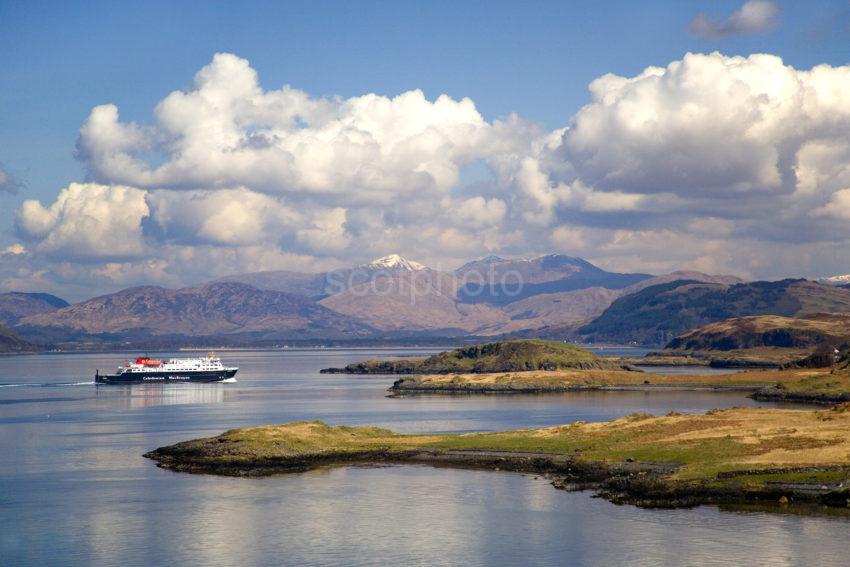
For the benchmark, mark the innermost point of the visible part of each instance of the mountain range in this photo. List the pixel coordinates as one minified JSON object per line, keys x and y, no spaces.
{"x":225,"y":310}
{"x":11,"y":342}
{"x":553,"y":296}
{"x":773,"y":331}
{"x":657,"y":314}
{"x":14,"y":306}
{"x":487,"y":297}
{"x":497,"y":281}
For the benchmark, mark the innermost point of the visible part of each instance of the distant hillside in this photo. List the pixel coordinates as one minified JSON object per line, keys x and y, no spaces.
{"x":222,"y":309}
{"x":10,"y":342}
{"x":324,"y":284}
{"x":558,"y":316}
{"x":390,"y":297}
{"x":311,"y":286}
{"x":427,"y":301}
{"x":421,"y":301}
{"x":659,"y":313}
{"x":808,"y":331}
{"x":498,"y":281}
{"x":15,"y":305}
{"x":685,"y":275}
{"x":499,"y":356}
{"x":394,"y":294}
{"x":558,"y":308}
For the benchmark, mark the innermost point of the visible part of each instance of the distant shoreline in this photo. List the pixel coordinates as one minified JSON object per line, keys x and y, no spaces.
{"x":221,"y":349}
{"x":568,"y":388}
{"x":808,"y":386}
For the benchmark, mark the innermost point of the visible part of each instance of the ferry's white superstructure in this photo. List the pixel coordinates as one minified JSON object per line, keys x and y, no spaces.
{"x":144,"y":369}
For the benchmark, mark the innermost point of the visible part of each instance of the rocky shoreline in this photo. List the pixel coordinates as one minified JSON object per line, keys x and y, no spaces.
{"x":415,"y":385}
{"x":644,"y":485}
{"x":516,"y":355}
{"x":775,"y":394}
{"x":565,"y":381}
{"x":738,"y":456}
{"x":706,"y":359}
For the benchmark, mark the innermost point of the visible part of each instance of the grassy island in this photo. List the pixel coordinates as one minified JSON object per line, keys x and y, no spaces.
{"x":596,"y":380}
{"x":800,"y":385}
{"x":538,"y":366}
{"x":756,"y":357}
{"x":499,"y":356}
{"x":723,"y":456}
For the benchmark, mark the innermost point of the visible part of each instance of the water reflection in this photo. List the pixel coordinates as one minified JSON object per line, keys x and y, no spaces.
{"x":75,"y":490}
{"x":417,"y":515}
{"x":147,"y":395}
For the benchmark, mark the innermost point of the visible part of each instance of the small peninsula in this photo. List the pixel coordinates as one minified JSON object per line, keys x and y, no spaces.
{"x":730,"y":456}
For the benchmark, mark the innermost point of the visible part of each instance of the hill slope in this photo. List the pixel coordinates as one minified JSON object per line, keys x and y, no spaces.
{"x":394,"y":294}
{"x":498,"y":281}
{"x":559,"y":308}
{"x":311,"y":286}
{"x":10,"y":342}
{"x":317,"y":286}
{"x":499,"y":356}
{"x":556,"y":315}
{"x":659,"y":313}
{"x":421,"y":301}
{"x":767,"y":331}
{"x":215,"y":309}
{"x":16,"y":305}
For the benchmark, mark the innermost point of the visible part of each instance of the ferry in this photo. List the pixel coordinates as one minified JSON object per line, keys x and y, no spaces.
{"x":146,"y":370}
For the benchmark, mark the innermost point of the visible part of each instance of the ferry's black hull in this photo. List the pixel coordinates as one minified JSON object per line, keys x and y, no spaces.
{"x":165,"y":377}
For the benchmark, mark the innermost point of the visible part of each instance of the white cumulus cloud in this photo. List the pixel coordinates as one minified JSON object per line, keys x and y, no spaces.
{"x":705,"y":125}
{"x":477,"y":212}
{"x":227,"y":131}
{"x":223,"y":217}
{"x":326,"y":232}
{"x":87,"y":221}
{"x":711,"y":161}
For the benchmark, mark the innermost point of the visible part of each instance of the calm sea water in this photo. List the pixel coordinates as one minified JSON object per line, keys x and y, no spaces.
{"x":74,"y":489}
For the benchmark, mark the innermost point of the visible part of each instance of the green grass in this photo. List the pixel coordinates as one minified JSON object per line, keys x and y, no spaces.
{"x":508,"y":356}
{"x":807,"y":477}
{"x":644,"y":444}
{"x":824,"y":384}
{"x":703,"y":445}
{"x":661,"y":312}
{"x":499,"y":356}
{"x":559,"y":380}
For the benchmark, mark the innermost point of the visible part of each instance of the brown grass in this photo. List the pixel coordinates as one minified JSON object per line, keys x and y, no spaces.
{"x":755,"y":378}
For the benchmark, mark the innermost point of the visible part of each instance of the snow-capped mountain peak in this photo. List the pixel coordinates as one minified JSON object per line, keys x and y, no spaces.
{"x":395,"y":263}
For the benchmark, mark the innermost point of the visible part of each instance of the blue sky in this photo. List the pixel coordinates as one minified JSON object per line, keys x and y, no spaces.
{"x":535,"y":59}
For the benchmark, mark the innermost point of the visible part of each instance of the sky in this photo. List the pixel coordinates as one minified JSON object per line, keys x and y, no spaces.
{"x":170,"y":143}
